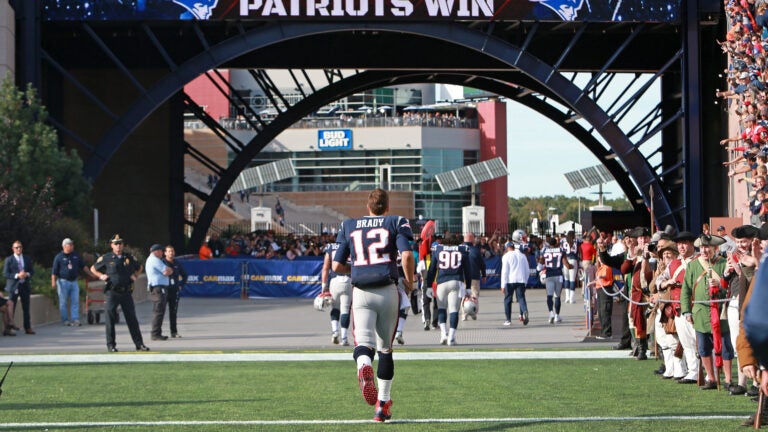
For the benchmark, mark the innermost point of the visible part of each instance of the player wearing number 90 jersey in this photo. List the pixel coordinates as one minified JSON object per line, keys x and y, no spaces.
{"x":450,"y":265}
{"x":372,"y":244}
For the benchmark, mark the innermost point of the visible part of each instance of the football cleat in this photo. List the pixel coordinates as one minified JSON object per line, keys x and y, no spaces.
{"x":452,"y":342}
{"x":399,"y":338}
{"x":335,"y":338}
{"x":367,"y":386}
{"x":525,"y":318}
{"x":383,"y":411}
{"x":344,"y":342}
{"x":443,"y":339}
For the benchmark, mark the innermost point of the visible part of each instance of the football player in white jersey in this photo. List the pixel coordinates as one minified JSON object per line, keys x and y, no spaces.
{"x":340,"y":288}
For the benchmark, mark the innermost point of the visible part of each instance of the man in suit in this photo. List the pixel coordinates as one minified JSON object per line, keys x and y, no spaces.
{"x":18,"y":273}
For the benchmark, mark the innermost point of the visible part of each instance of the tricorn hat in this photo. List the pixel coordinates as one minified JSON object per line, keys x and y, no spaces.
{"x":709,"y":240}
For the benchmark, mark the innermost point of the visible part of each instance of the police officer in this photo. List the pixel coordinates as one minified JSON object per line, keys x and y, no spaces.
{"x":119,"y":270}
{"x":157,"y":283}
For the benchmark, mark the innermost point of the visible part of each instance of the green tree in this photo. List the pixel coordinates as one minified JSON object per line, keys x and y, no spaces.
{"x":30,"y":156}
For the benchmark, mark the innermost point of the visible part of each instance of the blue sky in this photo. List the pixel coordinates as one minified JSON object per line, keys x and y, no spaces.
{"x":539,"y":153}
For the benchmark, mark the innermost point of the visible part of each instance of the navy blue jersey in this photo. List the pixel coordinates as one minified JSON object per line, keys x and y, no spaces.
{"x":571,"y":249}
{"x":553,"y":260}
{"x":476,"y":261}
{"x":331,"y":249}
{"x":449,"y":263}
{"x":372,"y":244}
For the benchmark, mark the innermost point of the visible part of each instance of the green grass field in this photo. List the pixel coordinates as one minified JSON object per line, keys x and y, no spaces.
{"x":556,"y":395}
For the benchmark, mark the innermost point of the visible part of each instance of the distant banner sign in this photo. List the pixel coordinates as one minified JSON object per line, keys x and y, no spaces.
{"x":279,"y":278}
{"x":334,"y":139}
{"x":213,"y":278}
{"x":267,"y":278}
{"x":415,"y":10}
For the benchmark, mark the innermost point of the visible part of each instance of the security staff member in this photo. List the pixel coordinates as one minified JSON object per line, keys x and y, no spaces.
{"x":157,"y":279}
{"x":119,"y":270}
{"x":178,"y":279}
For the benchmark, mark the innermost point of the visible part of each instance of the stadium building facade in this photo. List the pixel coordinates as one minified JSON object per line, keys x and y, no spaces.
{"x":394,"y":138}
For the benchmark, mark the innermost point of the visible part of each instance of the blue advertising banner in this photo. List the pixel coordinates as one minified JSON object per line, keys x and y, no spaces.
{"x":269,"y":278}
{"x":492,"y":273}
{"x":213,"y":278}
{"x":280,"y":278}
{"x":334,"y":139}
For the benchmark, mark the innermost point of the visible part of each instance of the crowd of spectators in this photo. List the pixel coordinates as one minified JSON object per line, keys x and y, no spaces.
{"x":747,"y":97}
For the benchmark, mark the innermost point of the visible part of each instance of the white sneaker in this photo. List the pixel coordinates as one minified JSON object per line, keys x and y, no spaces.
{"x":507,"y":323}
{"x":443,"y":339}
{"x":399,"y":338}
{"x":551,"y":317}
{"x":335,"y":338}
{"x":344,"y":342}
{"x":558,"y":319}
{"x":452,"y":342}
{"x":65,"y":323}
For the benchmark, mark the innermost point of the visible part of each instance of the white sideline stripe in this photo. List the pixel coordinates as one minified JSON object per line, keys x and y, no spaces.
{"x":342,"y":356}
{"x":332,"y":422}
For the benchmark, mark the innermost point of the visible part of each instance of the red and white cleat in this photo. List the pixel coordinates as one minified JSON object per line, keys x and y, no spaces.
{"x":382,"y":411}
{"x":367,"y":386}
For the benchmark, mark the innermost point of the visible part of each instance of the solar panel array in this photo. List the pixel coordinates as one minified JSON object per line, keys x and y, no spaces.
{"x":264,"y":174}
{"x":590,"y":176}
{"x":471,"y":174}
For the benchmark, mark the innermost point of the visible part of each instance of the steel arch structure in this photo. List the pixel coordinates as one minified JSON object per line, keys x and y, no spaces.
{"x":373,"y":79}
{"x":542,"y":85}
{"x":512,"y":56}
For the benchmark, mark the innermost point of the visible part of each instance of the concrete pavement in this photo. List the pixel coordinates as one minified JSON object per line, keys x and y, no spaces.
{"x":291,"y":324}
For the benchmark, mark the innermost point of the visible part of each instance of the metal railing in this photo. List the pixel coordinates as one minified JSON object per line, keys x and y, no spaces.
{"x":351,"y":122}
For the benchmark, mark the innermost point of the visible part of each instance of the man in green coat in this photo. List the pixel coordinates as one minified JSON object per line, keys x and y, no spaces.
{"x":703,"y":275}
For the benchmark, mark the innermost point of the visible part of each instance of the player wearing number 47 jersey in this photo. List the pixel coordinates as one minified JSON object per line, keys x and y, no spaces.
{"x":450,"y":265}
{"x":372,"y":243}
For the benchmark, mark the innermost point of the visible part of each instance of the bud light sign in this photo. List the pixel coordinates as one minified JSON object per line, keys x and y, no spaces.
{"x":334,"y":139}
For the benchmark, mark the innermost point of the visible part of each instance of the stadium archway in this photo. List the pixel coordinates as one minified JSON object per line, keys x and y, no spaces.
{"x":514,"y":63}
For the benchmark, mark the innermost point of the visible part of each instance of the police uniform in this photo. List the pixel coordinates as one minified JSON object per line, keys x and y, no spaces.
{"x":119,"y":292}
{"x":157,"y":283}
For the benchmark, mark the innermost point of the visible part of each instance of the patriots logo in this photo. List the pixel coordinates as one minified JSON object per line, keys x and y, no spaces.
{"x":568,"y":10}
{"x":197,"y":9}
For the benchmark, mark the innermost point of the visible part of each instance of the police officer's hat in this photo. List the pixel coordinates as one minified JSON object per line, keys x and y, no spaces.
{"x":156,"y":247}
{"x":709,"y":240}
{"x":116,"y":239}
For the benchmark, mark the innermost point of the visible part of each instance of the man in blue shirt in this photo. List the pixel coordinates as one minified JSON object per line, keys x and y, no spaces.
{"x":157,"y":280}
{"x":66,"y":267}
{"x":476,"y":269}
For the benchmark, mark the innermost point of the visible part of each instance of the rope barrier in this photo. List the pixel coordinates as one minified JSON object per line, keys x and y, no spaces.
{"x":621,"y":293}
